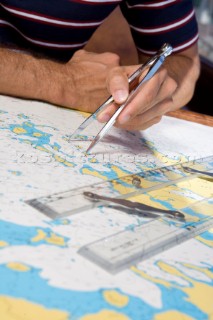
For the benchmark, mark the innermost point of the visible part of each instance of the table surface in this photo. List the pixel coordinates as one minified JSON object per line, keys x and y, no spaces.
{"x":192,"y":116}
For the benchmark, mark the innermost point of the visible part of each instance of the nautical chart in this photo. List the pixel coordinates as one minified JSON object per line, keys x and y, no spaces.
{"x":41,"y":273}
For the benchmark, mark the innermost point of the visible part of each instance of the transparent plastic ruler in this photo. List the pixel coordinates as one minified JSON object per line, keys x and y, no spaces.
{"x":123,"y":249}
{"x":73,"y":201}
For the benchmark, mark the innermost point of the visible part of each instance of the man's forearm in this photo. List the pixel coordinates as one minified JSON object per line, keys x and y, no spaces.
{"x":26,"y":76}
{"x":80,"y":83}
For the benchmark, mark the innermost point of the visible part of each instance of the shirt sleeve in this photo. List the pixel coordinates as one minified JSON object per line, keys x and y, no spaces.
{"x":152,"y":23}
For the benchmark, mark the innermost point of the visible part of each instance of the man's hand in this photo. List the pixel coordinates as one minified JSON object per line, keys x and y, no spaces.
{"x":89,"y":78}
{"x":82,"y":84}
{"x":170,"y":89}
{"x":153,"y":99}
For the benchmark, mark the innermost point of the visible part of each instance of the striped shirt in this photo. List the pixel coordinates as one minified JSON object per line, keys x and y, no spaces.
{"x":58,"y":28}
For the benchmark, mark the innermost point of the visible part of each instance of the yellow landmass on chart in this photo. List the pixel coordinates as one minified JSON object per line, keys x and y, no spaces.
{"x":41,"y":235}
{"x":94,"y":173}
{"x":43,"y":149}
{"x":3,"y":243}
{"x":128,"y":180}
{"x":203,"y":207}
{"x":55,"y":239}
{"x":177,"y":201}
{"x":19,"y":130}
{"x":164,"y":158}
{"x":115,"y":298}
{"x":198,"y":293}
{"x":93,"y":160}
{"x":169,"y":315}
{"x":37,"y":134}
{"x":56,"y":148}
{"x":205,"y":271}
{"x":18,"y":266}
{"x":105,"y":315}
{"x":146,"y":276}
{"x":205,"y":241}
{"x":182,"y":195}
{"x":119,"y":172}
{"x":59,"y":159}
{"x":64,"y":161}
{"x":52,"y":239}
{"x":199,"y":186}
{"x":28,"y":124}
{"x":19,"y":309}
{"x":122,"y":189}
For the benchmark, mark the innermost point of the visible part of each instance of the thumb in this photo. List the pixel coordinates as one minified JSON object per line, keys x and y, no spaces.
{"x":118,"y":85}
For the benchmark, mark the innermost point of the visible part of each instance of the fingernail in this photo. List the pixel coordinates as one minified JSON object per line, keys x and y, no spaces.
{"x":104,"y":117}
{"x":124,"y":119}
{"x":120,"y":96}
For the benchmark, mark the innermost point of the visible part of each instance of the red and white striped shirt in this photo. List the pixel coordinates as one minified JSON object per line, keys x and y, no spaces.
{"x":59,"y":28}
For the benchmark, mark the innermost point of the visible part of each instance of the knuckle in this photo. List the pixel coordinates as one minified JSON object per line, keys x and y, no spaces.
{"x":116,"y":73}
{"x":112,"y":57}
{"x":113,"y":71}
{"x":79,"y":53}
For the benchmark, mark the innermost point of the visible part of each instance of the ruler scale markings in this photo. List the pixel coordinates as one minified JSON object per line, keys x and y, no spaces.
{"x":125,"y":248}
{"x":72,"y":201}
{"x":126,"y":255}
